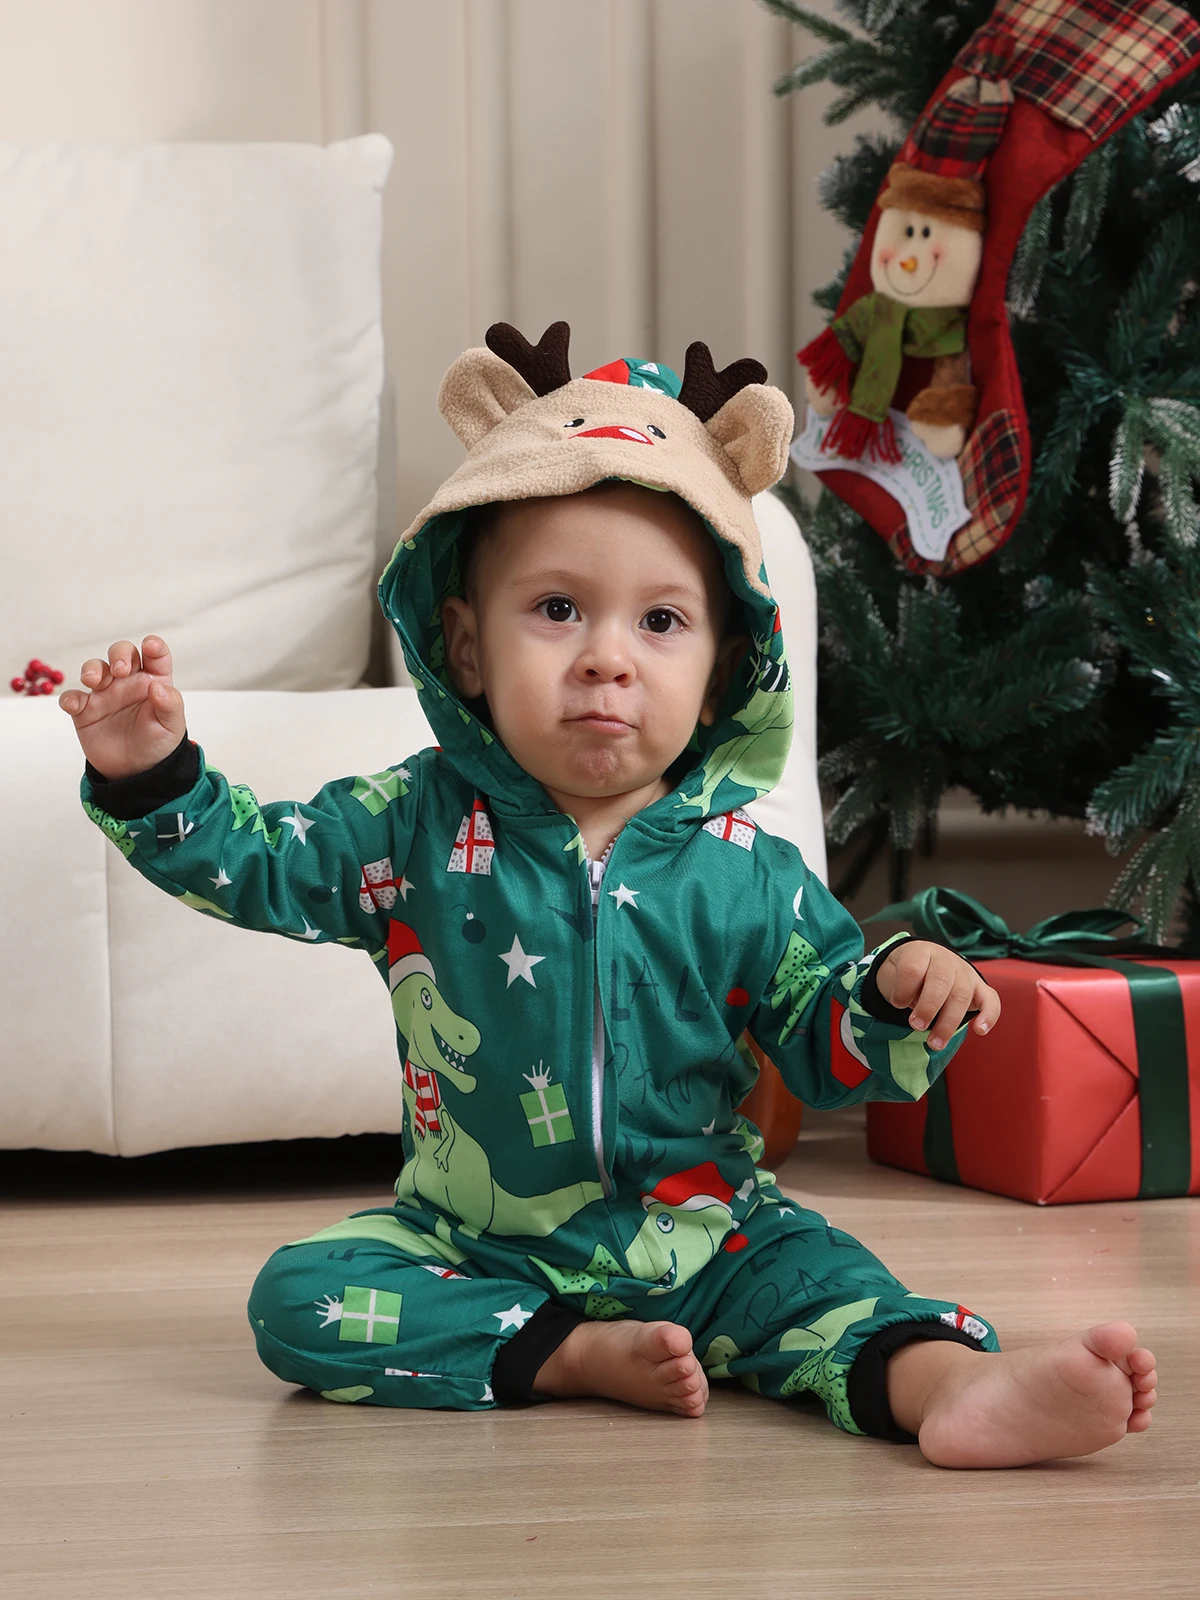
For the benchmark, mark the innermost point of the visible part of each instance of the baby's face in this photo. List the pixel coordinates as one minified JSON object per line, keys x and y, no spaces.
{"x":595,"y":636}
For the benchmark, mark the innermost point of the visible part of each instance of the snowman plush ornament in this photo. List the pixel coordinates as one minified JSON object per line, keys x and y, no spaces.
{"x":925,"y":263}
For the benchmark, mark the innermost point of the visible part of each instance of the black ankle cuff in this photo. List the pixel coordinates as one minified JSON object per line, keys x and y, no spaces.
{"x":866,"y":1386}
{"x":519,"y":1361}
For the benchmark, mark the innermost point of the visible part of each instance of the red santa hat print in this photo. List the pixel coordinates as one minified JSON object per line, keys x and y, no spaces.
{"x":405,"y":955}
{"x":692,"y":1190}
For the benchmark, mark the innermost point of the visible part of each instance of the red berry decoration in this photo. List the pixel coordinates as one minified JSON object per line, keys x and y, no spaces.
{"x":39,"y":679}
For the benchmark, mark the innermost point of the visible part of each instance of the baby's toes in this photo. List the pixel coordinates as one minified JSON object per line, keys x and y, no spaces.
{"x":1145,"y":1380}
{"x":1144,"y":1399}
{"x":1141,"y":1361}
{"x":1139,"y":1421}
{"x":676,"y":1369}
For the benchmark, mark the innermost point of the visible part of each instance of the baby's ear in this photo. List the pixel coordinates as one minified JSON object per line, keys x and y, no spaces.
{"x":479,"y":391}
{"x":755,"y":428}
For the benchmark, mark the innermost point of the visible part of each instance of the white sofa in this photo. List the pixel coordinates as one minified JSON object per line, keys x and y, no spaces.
{"x":191,"y":400}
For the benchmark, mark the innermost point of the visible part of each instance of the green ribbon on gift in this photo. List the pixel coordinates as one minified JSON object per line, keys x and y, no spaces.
{"x":1076,"y":939}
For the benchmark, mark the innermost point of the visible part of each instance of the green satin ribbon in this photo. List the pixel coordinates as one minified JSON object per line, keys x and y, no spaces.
{"x":1076,"y":939}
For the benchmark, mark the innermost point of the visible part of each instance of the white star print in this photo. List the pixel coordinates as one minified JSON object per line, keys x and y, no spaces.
{"x":299,"y":823}
{"x":624,"y":896}
{"x":796,"y":901}
{"x":309,"y":931}
{"x":222,"y":880}
{"x":487,"y":1388}
{"x":515,"y":1317}
{"x":403,"y":887}
{"x":710,"y":1127}
{"x":787,"y":1211}
{"x":520,"y":965}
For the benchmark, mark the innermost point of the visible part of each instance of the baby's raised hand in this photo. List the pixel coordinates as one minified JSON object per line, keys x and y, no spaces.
{"x":939,"y":986}
{"x":133,"y":716}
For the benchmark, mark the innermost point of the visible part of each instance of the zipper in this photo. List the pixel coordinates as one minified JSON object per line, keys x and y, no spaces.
{"x":595,"y":876}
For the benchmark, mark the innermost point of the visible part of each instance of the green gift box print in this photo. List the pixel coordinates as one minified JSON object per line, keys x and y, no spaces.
{"x":546,"y":1110}
{"x":369,"y":1316}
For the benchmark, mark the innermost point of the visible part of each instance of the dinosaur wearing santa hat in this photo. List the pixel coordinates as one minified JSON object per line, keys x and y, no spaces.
{"x":688,"y":1217}
{"x":449,"y":1168}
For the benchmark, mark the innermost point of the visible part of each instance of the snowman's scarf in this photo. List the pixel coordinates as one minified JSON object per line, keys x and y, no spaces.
{"x":877,"y":333}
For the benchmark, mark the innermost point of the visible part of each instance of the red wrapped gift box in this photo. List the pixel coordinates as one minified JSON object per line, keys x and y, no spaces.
{"x":1058,"y":1104}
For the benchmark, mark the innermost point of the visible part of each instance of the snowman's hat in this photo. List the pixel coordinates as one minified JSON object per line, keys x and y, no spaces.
{"x":405,"y":955}
{"x":692,"y":1190}
{"x":959,"y":201}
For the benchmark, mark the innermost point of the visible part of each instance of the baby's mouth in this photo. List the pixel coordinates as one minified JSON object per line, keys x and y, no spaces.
{"x":596,"y":719}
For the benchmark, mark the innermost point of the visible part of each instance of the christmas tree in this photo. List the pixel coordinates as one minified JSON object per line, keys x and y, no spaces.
{"x":1062,"y":674}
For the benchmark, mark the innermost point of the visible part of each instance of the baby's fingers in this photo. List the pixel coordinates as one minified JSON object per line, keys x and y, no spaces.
{"x":95,"y":674}
{"x":123,"y":658}
{"x":986,"y":1001}
{"x":156,"y":657}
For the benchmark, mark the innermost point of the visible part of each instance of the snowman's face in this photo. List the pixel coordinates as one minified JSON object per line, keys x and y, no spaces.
{"x":922,"y":261}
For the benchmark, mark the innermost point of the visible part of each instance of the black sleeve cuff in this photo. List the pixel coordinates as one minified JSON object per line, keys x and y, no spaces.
{"x":866,"y":1386}
{"x":870,"y":998}
{"x":143,"y":792}
{"x":519,"y":1361}
{"x":876,"y":1006}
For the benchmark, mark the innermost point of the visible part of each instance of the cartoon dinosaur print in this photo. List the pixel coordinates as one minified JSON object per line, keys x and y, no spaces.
{"x":688,"y":1217}
{"x":244,"y":803}
{"x":768,"y":718}
{"x":450,"y":1169}
{"x":796,"y":980}
{"x":116,"y":830}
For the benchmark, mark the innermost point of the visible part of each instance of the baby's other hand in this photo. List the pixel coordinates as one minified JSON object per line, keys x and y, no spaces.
{"x":133,"y":716}
{"x":939,"y":986}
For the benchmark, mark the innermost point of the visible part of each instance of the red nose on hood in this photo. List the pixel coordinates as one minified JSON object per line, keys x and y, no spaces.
{"x":635,"y":435}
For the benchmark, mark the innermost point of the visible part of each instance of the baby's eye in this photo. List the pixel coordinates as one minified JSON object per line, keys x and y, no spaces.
{"x":654,"y":620}
{"x":559,"y":601}
{"x":657,"y":432}
{"x":578,"y":423}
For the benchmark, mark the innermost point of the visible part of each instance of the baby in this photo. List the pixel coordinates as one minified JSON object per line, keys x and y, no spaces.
{"x":579,"y":926}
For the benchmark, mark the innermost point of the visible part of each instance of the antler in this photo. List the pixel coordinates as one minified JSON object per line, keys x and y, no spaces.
{"x":705,"y":390}
{"x":543,"y":365}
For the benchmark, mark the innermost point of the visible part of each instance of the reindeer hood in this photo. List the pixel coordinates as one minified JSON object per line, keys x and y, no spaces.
{"x":530,"y":429}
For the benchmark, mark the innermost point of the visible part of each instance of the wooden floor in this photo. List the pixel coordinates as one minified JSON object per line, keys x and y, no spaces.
{"x":146,"y":1453}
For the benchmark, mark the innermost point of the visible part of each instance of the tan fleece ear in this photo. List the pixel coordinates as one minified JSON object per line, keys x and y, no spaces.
{"x":755,"y":427}
{"x":479,"y":391}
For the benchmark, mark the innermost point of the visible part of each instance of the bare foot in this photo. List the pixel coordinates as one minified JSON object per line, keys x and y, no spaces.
{"x":1012,"y":1408}
{"x":647,"y":1364}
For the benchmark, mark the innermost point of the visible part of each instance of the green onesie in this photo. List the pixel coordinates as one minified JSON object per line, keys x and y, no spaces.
{"x":569,"y":1033}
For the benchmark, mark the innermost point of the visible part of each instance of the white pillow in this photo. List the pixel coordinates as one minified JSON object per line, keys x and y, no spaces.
{"x":189,"y":406}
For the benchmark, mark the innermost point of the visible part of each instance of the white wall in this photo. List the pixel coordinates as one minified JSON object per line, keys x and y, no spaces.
{"x":619,"y":163}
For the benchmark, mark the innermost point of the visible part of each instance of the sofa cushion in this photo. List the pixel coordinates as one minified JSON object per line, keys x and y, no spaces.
{"x":189,"y":402}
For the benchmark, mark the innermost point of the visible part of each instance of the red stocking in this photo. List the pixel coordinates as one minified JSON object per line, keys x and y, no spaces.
{"x":1078,"y":70}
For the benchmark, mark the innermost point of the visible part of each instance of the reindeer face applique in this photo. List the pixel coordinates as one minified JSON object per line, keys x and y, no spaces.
{"x":530,"y":429}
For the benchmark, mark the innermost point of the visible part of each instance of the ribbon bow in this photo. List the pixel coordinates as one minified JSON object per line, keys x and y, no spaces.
{"x":950,"y":917}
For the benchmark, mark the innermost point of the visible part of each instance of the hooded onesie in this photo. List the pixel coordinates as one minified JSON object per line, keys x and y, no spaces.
{"x":573,"y":1052}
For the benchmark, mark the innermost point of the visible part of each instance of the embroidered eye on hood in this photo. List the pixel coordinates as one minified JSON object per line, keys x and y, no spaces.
{"x":530,"y":429}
